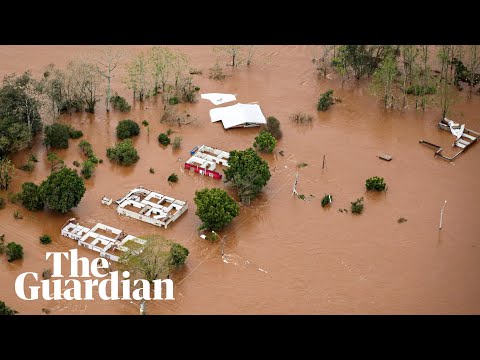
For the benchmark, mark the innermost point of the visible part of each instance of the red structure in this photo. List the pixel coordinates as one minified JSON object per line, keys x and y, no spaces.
{"x":203,"y":171}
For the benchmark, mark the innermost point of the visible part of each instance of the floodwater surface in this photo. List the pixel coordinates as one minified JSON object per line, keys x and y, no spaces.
{"x":282,"y":255}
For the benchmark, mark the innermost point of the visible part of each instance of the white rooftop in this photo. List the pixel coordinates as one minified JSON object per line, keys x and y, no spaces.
{"x":218,"y":98}
{"x":238,"y":115}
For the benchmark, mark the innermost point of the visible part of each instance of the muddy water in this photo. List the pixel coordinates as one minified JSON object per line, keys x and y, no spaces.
{"x":282,"y":255}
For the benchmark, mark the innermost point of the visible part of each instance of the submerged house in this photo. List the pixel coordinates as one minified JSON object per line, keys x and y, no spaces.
{"x":110,"y":242}
{"x":204,"y":160}
{"x":151,"y":207}
{"x":238,"y":115}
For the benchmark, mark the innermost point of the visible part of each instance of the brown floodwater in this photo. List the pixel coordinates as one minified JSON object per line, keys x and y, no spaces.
{"x":282,"y":255}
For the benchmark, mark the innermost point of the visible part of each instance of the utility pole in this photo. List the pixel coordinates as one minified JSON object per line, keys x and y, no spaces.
{"x":441,"y":214}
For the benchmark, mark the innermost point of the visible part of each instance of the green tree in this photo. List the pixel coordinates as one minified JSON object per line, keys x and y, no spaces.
{"x":215,"y":208}
{"x":265,"y":142}
{"x":163,"y":139}
{"x":88,"y":168}
{"x":45,"y":239}
{"x":30,"y":197}
{"x":55,"y":162}
{"x":127,"y":128}
{"x":7,"y":171}
{"x":56,"y":136}
{"x":178,"y":256}
{"x":62,"y":190}
{"x":248,"y":173}
{"x":5,"y":310}
{"x":14,"y":251}
{"x":375,"y":183}
{"x":384,"y":81}
{"x":325,"y":100}
{"x":119,"y":103}
{"x":14,"y":136}
{"x":124,"y":153}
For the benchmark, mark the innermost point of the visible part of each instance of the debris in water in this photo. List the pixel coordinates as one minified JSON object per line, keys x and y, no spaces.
{"x":385,"y":157}
{"x":281,"y":152}
{"x":401,"y":220}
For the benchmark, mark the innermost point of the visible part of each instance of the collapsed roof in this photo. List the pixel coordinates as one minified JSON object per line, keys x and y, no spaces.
{"x":238,"y":115}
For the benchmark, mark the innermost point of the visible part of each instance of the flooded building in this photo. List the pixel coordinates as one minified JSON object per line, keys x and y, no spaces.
{"x":205,"y":159}
{"x":110,"y":242}
{"x":151,"y":207}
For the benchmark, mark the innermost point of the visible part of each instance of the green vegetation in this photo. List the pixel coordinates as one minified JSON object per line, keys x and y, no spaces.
{"x":32,"y":158}
{"x":172,"y":178}
{"x":119,"y":103}
{"x":55,"y":162}
{"x":123,"y":153}
{"x":29,"y":166}
{"x":14,"y":251}
{"x":177,"y":142}
{"x":375,"y":183}
{"x":30,"y":197}
{"x":76,"y":163}
{"x":216,"y":72}
{"x":357,"y":206}
{"x":2,"y":203}
{"x":7,"y":171}
{"x":62,"y":190}
{"x":325,"y":101}
{"x":5,"y":310}
{"x":45,"y":239}
{"x":173,"y":100}
{"x":74,"y":133}
{"x":273,"y":127}
{"x":248,"y":173}
{"x":56,"y":136}
{"x":127,"y":128}
{"x":419,"y":90}
{"x":145,"y":123}
{"x":88,"y":167}
{"x":327,"y":200}
{"x":169,"y":132}
{"x":215,"y":208}
{"x":178,"y":256}
{"x":3,"y":247}
{"x":163,"y":139}
{"x":265,"y":142}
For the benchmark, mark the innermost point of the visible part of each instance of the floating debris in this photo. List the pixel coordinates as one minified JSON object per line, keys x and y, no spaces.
{"x":385,"y":157}
{"x":401,"y":220}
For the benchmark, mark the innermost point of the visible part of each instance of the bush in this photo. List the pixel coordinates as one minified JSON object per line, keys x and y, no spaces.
{"x":86,"y":148}
{"x":30,"y":197}
{"x":357,"y":206}
{"x":265,"y":142}
{"x":301,"y":118}
{"x":45,"y":239}
{"x":127,"y":128}
{"x":14,"y":251}
{"x":177,"y":142}
{"x":119,"y":103}
{"x":29,"y":166}
{"x":33,"y":158}
{"x":56,"y":136}
{"x":62,"y":190}
{"x":215,"y":208}
{"x":74,"y":133}
{"x":123,"y":153}
{"x":76,"y":163}
{"x":14,"y":198}
{"x":5,"y":310}
{"x":2,"y":203}
{"x":419,"y":90}
{"x":273,"y":127}
{"x":325,"y":101}
{"x":163,"y":139}
{"x":375,"y":183}
{"x":93,"y":159}
{"x":145,"y":123}
{"x":87,"y":169}
{"x":216,"y":72}
{"x":327,"y":200}
{"x":152,"y":171}
{"x":177,"y":256}
{"x":173,"y":178}
{"x":173,"y":100}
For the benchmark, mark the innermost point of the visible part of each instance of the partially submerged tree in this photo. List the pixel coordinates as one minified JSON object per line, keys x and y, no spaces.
{"x":30,"y":197}
{"x":123,"y":153}
{"x":273,"y":127}
{"x":177,"y":256}
{"x":384,"y":81}
{"x":7,"y":171}
{"x":325,"y":100}
{"x":14,"y":251}
{"x":233,"y":52}
{"x":106,"y":64}
{"x":56,"y":136}
{"x":5,"y":310}
{"x":127,"y":128}
{"x":160,"y":59}
{"x":62,"y":190}
{"x":215,"y":208}
{"x":265,"y":142}
{"x":138,"y":76}
{"x":171,"y":116}
{"x":248,"y":173}
{"x":56,"y":163}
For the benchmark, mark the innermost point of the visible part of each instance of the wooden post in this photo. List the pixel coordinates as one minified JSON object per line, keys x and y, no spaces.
{"x":295,"y":184}
{"x":323,"y":165}
{"x":441,"y":214}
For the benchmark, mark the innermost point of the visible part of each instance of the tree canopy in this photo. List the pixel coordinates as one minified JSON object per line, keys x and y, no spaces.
{"x":124,"y":153}
{"x":127,"y":128}
{"x":30,"y":197}
{"x":215,"y":208}
{"x":265,"y":142}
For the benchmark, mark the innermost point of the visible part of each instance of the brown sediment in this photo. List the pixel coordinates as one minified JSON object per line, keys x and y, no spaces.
{"x":282,"y":255}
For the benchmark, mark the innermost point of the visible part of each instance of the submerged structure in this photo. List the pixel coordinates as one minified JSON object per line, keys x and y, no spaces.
{"x":464,"y":138}
{"x":151,"y":207}
{"x":110,"y":242}
{"x":204,"y":160}
{"x":238,"y":115}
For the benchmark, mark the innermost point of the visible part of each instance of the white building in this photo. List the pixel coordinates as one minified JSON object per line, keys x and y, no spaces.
{"x":110,"y":242}
{"x":205,"y":159}
{"x":151,"y":207}
{"x":238,"y":115}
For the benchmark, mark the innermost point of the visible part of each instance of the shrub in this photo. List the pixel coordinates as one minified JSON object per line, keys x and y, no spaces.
{"x":17,"y":215}
{"x":86,"y":148}
{"x":119,"y":103}
{"x":56,"y":136}
{"x":45,"y":239}
{"x":124,"y":153}
{"x":177,"y":256}
{"x":152,"y":171}
{"x":265,"y":142}
{"x":3,"y":247}
{"x":273,"y":127}
{"x":5,"y":310}
{"x":2,"y":203}
{"x":215,"y":208}
{"x":93,"y":159}
{"x":216,"y":72}
{"x":173,"y":100}
{"x":30,"y":197}
{"x":74,"y":133}
{"x":127,"y":128}
{"x":29,"y":166}
{"x":173,"y":178}
{"x":325,"y":101}
{"x":145,"y":123}
{"x":14,"y":198}
{"x":212,"y":236}
{"x":87,"y":169}
{"x":163,"y":139}
{"x":177,"y":142}
{"x":357,"y":206}
{"x":327,"y":200}
{"x":14,"y":251}
{"x":169,"y":132}
{"x":46,"y":274}
{"x":33,"y":158}
{"x":375,"y":183}
{"x":419,"y":90}
{"x":197,"y":88}
{"x":301,"y":118}
{"x":76,"y":163}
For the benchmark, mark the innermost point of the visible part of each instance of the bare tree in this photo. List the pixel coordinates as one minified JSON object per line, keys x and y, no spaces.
{"x":324,"y":59}
{"x":89,"y":83}
{"x":233,"y":52}
{"x":409,"y":54}
{"x":446,"y":93}
{"x":160,"y":59}
{"x":106,"y":64}
{"x":172,"y":117}
{"x":137,"y":78}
